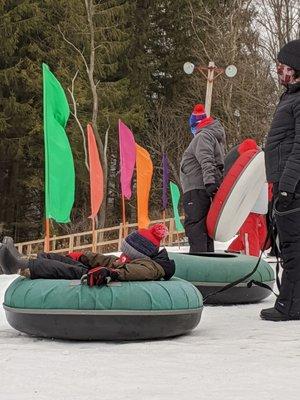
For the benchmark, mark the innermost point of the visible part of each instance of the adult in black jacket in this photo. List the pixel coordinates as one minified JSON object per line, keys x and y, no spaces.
{"x":283,"y":170}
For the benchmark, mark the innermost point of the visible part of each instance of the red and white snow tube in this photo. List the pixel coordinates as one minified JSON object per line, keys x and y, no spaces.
{"x":237,"y":195}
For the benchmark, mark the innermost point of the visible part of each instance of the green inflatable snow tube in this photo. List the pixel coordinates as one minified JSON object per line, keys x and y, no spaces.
{"x":209,"y":272}
{"x":118,"y":311}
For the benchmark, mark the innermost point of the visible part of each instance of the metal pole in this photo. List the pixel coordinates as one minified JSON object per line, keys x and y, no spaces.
{"x":94,"y":239}
{"x":209,"y":87}
{"x":47,"y":236}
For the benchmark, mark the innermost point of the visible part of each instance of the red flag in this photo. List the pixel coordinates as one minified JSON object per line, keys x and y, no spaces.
{"x":96,"y":173}
{"x":144,"y":171}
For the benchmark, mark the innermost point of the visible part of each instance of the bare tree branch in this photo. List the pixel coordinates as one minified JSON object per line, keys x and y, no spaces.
{"x":75,"y":48}
{"x":75,"y":115}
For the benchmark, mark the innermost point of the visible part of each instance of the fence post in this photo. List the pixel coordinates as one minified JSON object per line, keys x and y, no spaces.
{"x":53,"y":241}
{"x":94,"y":241}
{"x":171,"y":231}
{"x":71,"y":243}
{"x":29,"y":249}
{"x":101,"y":239}
{"x":77,"y":240}
{"x":120,"y":236}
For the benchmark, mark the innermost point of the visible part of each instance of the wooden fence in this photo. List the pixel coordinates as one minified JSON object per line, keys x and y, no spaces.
{"x":104,"y":240}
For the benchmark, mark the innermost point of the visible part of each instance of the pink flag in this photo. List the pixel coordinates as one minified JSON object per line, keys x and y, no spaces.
{"x":127,"y":158}
{"x":96,"y":173}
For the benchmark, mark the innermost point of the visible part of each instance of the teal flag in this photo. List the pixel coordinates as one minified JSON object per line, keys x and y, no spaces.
{"x":59,"y":165}
{"x":175,"y":194}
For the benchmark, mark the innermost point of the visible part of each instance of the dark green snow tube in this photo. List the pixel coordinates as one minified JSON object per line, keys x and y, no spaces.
{"x":211,"y":271}
{"x":119,"y":311}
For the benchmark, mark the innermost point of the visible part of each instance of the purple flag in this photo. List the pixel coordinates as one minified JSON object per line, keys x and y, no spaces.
{"x":165,"y":166}
{"x":127,"y":158}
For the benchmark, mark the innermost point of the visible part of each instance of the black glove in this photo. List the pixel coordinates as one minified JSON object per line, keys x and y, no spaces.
{"x":285,"y":199}
{"x":211,"y":189}
{"x":99,"y":276}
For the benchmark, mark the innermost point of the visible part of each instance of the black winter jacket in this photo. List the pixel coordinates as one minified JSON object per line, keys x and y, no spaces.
{"x":282,"y":149}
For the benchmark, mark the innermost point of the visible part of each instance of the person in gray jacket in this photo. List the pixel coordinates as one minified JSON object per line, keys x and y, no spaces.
{"x":201,"y":173}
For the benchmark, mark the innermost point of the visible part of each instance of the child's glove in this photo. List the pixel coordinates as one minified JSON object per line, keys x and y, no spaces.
{"x":75,"y":255}
{"x":99,"y":276}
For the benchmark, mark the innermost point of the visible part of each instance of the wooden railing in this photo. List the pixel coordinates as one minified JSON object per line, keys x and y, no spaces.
{"x":104,"y":240}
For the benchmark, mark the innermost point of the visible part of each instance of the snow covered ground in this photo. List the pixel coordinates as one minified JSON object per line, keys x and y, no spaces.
{"x":232,"y":354}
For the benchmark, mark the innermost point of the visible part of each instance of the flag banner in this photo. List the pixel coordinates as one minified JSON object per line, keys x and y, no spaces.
{"x":144,"y":171}
{"x":96,"y":173}
{"x":175,"y":194}
{"x":59,"y":165}
{"x":127,"y":158}
{"x":165,"y":166}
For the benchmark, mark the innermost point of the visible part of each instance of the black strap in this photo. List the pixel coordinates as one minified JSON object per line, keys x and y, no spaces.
{"x":276,"y":248}
{"x":245,"y":277}
{"x":261,"y":284}
{"x":232,"y":284}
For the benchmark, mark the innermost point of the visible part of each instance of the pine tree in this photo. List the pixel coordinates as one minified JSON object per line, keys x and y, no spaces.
{"x":33,"y":33}
{"x":20,"y":122}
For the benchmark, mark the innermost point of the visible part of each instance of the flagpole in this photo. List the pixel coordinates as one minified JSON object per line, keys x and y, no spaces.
{"x":164,"y":221}
{"x":93,"y":236}
{"x":47,"y":236}
{"x":164,"y":216}
{"x":124,"y":215}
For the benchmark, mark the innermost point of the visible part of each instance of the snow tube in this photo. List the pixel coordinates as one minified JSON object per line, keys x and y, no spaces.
{"x":262,"y":202}
{"x":65,"y":309}
{"x":211,"y":271}
{"x":236,"y":196}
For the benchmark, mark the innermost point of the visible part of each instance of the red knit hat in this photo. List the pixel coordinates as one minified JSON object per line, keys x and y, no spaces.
{"x":199,"y":109}
{"x":155,"y":234}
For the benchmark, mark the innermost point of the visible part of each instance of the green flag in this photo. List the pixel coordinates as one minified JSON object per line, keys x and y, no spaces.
{"x":175,"y":194}
{"x":59,"y":165}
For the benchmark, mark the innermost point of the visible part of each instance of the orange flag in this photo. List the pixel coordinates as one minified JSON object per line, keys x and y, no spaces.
{"x":144,"y":170}
{"x":96,"y":173}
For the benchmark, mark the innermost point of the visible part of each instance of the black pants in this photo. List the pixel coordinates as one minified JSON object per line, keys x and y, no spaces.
{"x":196,"y":205}
{"x":288,"y":226}
{"x":55,"y":266}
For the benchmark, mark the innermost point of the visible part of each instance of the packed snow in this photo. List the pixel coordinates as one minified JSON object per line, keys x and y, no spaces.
{"x":232,"y":354}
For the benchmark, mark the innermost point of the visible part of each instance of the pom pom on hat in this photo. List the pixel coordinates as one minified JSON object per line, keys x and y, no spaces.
{"x":247,"y":144}
{"x":199,"y":109}
{"x":155,"y":234}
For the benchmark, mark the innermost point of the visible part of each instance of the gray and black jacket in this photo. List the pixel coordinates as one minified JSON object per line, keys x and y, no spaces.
{"x":203,"y":161}
{"x":282,"y":151}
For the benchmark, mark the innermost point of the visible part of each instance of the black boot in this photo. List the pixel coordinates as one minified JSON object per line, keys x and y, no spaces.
{"x":9,"y":242}
{"x":9,"y":263}
{"x":271,"y":314}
